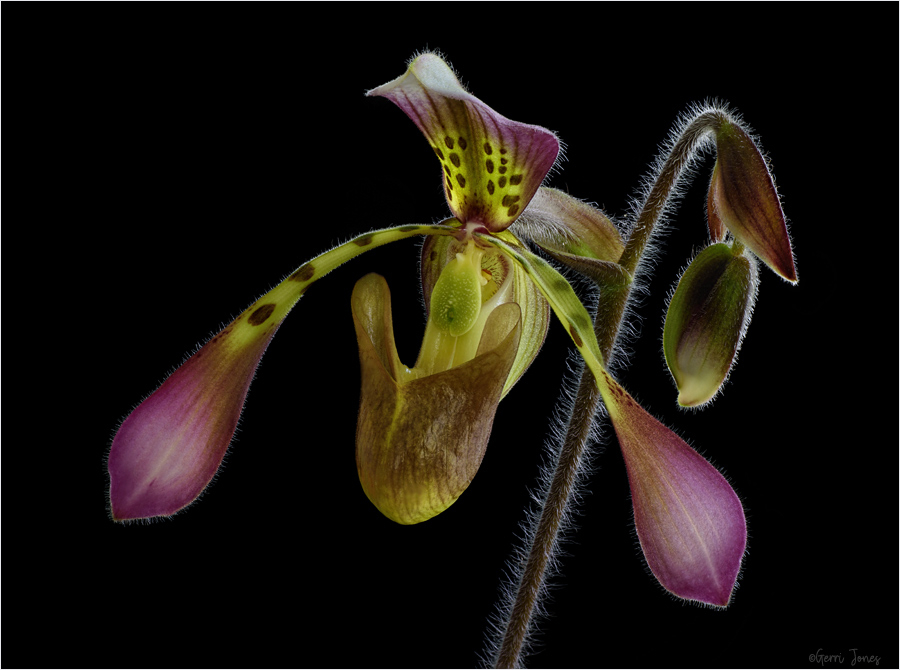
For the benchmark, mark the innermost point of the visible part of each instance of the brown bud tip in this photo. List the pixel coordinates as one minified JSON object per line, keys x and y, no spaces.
{"x":742,"y":198}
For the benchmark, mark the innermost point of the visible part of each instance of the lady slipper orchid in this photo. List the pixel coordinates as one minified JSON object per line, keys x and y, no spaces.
{"x":422,"y":430}
{"x":167,"y":451}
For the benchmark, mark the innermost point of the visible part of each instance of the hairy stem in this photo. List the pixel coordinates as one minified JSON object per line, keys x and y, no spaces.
{"x":611,"y":309}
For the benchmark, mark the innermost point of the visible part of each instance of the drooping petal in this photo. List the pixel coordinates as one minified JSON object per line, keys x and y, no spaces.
{"x":438,"y":251}
{"x":689,"y":520}
{"x":419,"y":443}
{"x":706,"y":320}
{"x":742,"y":198}
{"x":169,"y":448}
{"x":492,"y":166}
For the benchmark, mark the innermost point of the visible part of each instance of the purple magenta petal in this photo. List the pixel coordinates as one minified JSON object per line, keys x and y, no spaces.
{"x":689,"y":520}
{"x":170,"y":447}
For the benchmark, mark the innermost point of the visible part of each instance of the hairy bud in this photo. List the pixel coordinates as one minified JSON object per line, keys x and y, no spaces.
{"x":706,"y":320}
{"x":743,"y":200}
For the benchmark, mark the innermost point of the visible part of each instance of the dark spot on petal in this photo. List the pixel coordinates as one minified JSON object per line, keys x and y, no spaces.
{"x":515,"y":179}
{"x":512,"y":211}
{"x":502,"y":169}
{"x":502,"y":150}
{"x":449,"y":184}
{"x":463,"y":144}
{"x":575,"y":336}
{"x":408,"y":229}
{"x":440,"y":154}
{"x":454,"y":158}
{"x":488,"y":149}
{"x":304,"y":273}
{"x":489,"y":164}
{"x":504,"y":161}
{"x":363,"y":241}
{"x":261,"y":314}
{"x":509,"y":200}
{"x":449,"y":142}
{"x":502,"y":182}
{"x":461,"y":180}
{"x":490,"y":187}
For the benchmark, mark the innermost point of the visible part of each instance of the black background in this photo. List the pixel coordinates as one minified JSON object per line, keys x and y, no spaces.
{"x":170,"y":163}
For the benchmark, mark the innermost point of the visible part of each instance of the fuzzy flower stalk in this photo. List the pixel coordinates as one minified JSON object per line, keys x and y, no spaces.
{"x":422,"y":429}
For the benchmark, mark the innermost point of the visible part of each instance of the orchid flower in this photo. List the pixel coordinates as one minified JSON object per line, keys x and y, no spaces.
{"x":423,"y":429}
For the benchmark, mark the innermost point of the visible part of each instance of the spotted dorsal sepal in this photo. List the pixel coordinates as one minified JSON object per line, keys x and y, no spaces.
{"x":492,"y":166}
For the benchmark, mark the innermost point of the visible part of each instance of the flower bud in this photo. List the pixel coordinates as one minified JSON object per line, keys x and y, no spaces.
{"x":706,"y":320}
{"x":742,"y":199}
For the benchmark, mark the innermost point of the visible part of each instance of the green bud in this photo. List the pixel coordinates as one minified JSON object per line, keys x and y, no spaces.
{"x":706,"y":321}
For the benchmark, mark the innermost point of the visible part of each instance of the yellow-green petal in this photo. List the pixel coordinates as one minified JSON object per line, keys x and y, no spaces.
{"x":559,"y":293}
